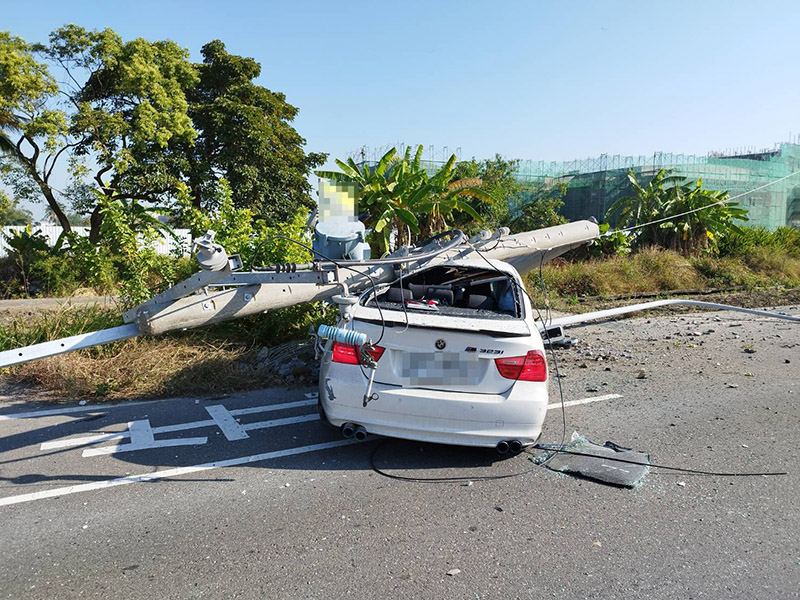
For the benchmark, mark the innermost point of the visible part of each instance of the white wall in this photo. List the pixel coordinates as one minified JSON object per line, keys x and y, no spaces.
{"x":51,"y":232}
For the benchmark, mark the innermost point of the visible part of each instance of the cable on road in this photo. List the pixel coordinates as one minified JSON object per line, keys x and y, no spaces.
{"x":466,"y":478}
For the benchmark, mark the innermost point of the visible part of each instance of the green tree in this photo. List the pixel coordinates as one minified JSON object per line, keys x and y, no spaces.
{"x":122,"y":106}
{"x":499,"y":181}
{"x":245,"y":136}
{"x":442,"y":195}
{"x":135,"y":119}
{"x":539,"y":208}
{"x":646,"y":203}
{"x":11,"y":213}
{"x":32,"y":132}
{"x":129,"y":115}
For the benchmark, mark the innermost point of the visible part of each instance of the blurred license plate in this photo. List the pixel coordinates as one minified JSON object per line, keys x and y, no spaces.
{"x":437,"y":368}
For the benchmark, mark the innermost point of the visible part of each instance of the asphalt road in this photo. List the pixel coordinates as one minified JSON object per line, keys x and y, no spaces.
{"x":264,"y":501}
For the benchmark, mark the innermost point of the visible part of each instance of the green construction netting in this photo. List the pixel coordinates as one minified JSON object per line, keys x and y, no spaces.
{"x":595,"y":184}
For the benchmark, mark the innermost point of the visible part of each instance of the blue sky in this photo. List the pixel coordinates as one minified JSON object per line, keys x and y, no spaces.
{"x":539,"y":80}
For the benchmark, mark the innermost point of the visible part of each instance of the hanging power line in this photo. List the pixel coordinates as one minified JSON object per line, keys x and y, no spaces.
{"x":688,"y":212}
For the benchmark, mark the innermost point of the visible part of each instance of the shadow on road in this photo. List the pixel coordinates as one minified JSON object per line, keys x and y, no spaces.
{"x":24,"y":462}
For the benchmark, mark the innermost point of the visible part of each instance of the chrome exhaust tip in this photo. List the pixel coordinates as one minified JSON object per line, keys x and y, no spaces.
{"x":348,"y":430}
{"x":515,"y":446}
{"x":502,"y":447}
{"x":360,"y":433}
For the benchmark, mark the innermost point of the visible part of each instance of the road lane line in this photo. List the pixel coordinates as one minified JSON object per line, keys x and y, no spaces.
{"x":232,"y":462}
{"x":230,"y":427}
{"x":583,"y":401}
{"x":73,"y":409}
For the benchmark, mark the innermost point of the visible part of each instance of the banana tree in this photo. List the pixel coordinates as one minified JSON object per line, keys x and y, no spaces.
{"x":440,"y":197}
{"x":399,"y":194}
{"x":709,"y":216}
{"x":646,"y":203}
{"x":385,"y":191}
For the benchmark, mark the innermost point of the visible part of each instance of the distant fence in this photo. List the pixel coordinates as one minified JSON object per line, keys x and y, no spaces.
{"x":51,"y":232}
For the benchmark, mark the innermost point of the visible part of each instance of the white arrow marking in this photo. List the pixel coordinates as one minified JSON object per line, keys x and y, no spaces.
{"x":142,"y":439}
{"x":105,"y":437}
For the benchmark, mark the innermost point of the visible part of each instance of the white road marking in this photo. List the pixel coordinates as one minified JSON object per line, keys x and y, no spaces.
{"x":142,"y":439}
{"x":92,"y":439}
{"x":225,"y":421}
{"x":280,"y":422}
{"x":273,"y":407}
{"x":146,"y":444}
{"x":183,"y":426}
{"x":232,"y":462}
{"x":118,"y":448}
{"x":583,"y":401}
{"x":141,"y":433}
{"x":198,"y":441}
{"x":176,"y":472}
{"x":84,"y":441}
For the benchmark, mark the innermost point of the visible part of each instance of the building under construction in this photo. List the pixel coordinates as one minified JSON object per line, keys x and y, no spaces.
{"x":595,"y":184}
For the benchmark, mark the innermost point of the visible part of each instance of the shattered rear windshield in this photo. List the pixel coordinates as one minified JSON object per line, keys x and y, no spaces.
{"x":453,"y":291}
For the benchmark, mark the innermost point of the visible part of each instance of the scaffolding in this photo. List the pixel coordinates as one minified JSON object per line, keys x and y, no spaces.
{"x":594,"y":184}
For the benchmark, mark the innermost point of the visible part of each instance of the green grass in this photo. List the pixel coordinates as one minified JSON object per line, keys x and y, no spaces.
{"x":784,"y":241}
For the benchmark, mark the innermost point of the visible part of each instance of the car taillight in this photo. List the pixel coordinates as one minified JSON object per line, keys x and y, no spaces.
{"x":348,"y":354}
{"x":531,"y":367}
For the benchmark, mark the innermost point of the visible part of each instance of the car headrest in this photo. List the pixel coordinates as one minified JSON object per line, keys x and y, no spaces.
{"x":480,"y":302}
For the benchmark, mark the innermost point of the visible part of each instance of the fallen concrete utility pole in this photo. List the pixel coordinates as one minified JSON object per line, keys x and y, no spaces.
{"x":221,"y":291}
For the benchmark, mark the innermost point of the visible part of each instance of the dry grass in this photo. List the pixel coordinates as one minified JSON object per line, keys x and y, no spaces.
{"x":146,"y":368}
{"x":651,"y":270}
{"x":655,"y":270}
{"x":212,"y":360}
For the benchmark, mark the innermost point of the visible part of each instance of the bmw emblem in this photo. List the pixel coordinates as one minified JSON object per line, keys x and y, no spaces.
{"x":440,"y":344}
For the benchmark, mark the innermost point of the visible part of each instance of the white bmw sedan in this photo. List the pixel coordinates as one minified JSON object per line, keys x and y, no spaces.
{"x":457,"y":358}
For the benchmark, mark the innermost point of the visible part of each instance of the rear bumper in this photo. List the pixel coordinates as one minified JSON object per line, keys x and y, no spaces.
{"x":458,"y":418}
